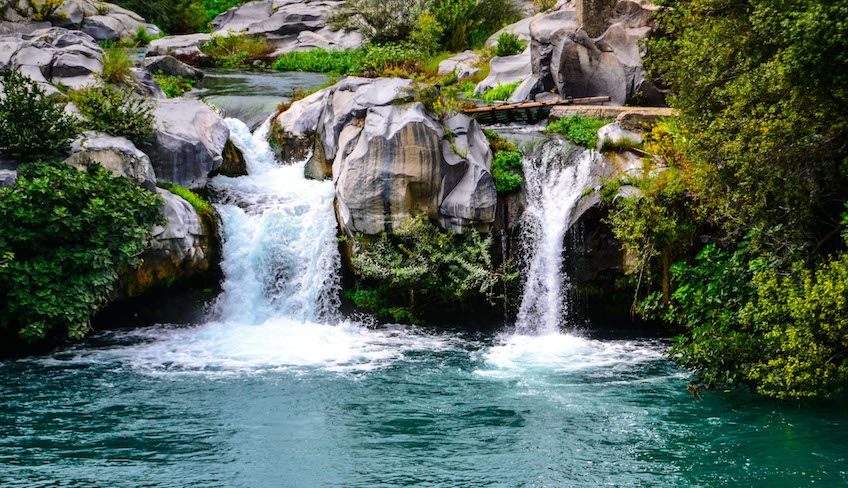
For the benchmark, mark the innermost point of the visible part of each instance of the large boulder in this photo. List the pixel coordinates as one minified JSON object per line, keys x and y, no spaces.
{"x":116,"y":154}
{"x":183,"y":247}
{"x":464,"y":64}
{"x":504,"y":70}
{"x":185,"y":48}
{"x":103,"y":21}
{"x":171,"y":66}
{"x":289,"y":25}
{"x":390,"y":159}
{"x":189,"y":143}
{"x":53,"y":56}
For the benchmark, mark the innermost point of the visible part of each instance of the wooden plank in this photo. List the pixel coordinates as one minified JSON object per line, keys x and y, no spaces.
{"x":523,"y":105}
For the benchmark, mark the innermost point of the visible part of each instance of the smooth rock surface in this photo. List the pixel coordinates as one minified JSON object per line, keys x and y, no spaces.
{"x":506,"y":69}
{"x":101,"y":20}
{"x":185,"y":48}
{"x":464,"y":64}
{"x":116,"y":154}
{"x":170,"y":66}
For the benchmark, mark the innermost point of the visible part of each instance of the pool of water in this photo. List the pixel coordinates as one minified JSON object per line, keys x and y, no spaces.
{"x":301,"y":404}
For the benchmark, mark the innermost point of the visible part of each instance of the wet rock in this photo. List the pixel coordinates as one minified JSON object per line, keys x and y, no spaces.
{"x":171,"y":66}
{"x":116,"y":154}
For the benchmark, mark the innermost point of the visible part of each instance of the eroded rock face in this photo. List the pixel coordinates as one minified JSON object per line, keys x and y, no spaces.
{"x":464,"y":64}
{"x":185,"y":246}
{"x":390,"y":160}
{"x":53,"y":56}
{"x":289,"y":25}
{"x":185,"y":48}
{"x":101,"y":20}
{"x":189,"y":142}
{"x":116,"y":154}
{"x":504,"y":70}
{"x":171,"y":66}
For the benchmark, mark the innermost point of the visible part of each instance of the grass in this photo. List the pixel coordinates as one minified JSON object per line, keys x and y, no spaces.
{"x":500,"y":92}
{"x":174,"y":86}
{"x":117,"y":66}
{"x":621,"y":145}
{"x":578,"y":129}
{"x":509,"y":45}
{"x":388,"y":60}
{"x":506,"y":164}
{"x":236,"y":50}
{"x":201,"y":206}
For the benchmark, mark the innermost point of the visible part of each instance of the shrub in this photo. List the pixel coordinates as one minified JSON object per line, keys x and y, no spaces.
{"x":578,"y":129}
{"x":117,"y":66}
{"x":500,"y":93}
{"x":174,"y":86}
{"x":428,"y":266}
{"x":468,"y":23}
{"x":142,"y":37}
{"x":32,"y":126}
{"x":234,"y":50}
{"x":321,"y":61}
{"x":509,"y":45}
{"x":116,"y":111}
{"x":427,"y":33}
{"x":381,"y":21}
{"x":505,"y":166}
{"x":46,"y":10}
{"x":544,"y":5}
{"x":65,"y":234}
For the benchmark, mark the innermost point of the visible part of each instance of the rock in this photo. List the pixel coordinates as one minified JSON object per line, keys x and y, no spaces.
{"x":189,"y":142}
{"x":464,"y":64}
{"x":185,"y":48}
{"x":184,"y":247}
{"x":288,"y":25}
{"x":623,"y":115}
{"x":53,"y":56}
{"x":506,"y":69}
{"x":171,"y":66}
{"x":145,"y":85}
{"x":293,"y":131}
{"x":116,"y":154}
{"x":8,"y":178}
{"x":101,"y":20}
{"x":234,"y":162}
{"x":613,"y":134}
{"x":520,"y":29}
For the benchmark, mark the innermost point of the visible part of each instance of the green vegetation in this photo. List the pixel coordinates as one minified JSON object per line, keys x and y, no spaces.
{"x":32,"y":126}
{"x":507,"y":162}
{"x":117,"y":66}
{"x":64,"y":235}
{"x":371,"y":60}
{"x":46,"y":10}
{"x":116,"y":111}
{"x":756,"y":162}
{"x":420,"y":266}
{"x":179,"y":16}
{"x":500,"y":93}
{"x":236,"y":50}
{"x":201,"y":206}
{"x":578,"y":129}
{"x":174,"y":86}
{"x":509,"y":45}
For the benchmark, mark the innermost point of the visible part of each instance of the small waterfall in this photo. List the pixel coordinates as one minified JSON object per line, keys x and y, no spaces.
{"x":280,"y":255}
{"x":556,"y":178}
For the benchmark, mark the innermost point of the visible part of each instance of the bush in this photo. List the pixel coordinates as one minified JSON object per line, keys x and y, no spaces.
{"x":426,"y":34}
{"x":509,"y":45}
{"x":500,"y":93}
{"x":468,"y":23}
{"x":578,"y":129}
{"x":381,"y":21}
{"x":46,"y":10}
{"x":117,"y":66}
{"x":174,"y":86}
{"x":116,"y":111}
{"x":65,"y":234}
{"x":505,"y":167}
{"x":32,"y":126}
{"x":371,"y":60}
{"x":428,"y":266}
{"x":234,"y":50}
{"x":544,"y":5}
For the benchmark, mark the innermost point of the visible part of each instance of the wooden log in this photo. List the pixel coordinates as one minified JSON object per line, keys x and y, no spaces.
{"x":523,"y":105}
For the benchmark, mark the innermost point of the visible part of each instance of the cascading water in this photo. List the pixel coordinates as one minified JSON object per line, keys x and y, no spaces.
{"x":555,"y":180}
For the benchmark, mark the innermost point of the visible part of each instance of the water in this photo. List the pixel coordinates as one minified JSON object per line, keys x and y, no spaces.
{"x":277,"y":389}
{"x":555,"y":181}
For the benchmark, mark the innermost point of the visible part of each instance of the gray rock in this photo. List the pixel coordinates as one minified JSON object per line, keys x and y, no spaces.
{"x":288,"y":25}
{"x":293,"y":131}
{"x":8,"y":178}
{"x":101,"y":20}
{"x":116,"y":154}
{"x":145,"y":85}
{"x":506,"y":69}
{"x":614,"y":134}
{"x":189,"y":142}
{"x":464,"y":64}
{"x":171,"y":66}
{"x":53,"y":56}
{"x":185,"y":48}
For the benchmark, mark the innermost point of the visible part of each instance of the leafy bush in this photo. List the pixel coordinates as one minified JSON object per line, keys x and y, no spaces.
{"x":381,"y":21}
{"x":234,"y":50}
{"x":429,"y":266}
{"x":174,"y":86}
{"x":468,"y":23}
{"x":505,"y":166}
{"x":215,"y":8}
{"x":371,"y":60}
{"x":142,"y":37}
{"x":46,"y":10}
{"x":544,"y":5}
{"x":578,"y":129}
{"x":509,"y":45}
{"x":116,"y":111}
{"x":117,"y":66}
{"x":65,"y":235}
{"x":500,"y":93}
{"x":426,"y":34}
{"x":32,"y":126}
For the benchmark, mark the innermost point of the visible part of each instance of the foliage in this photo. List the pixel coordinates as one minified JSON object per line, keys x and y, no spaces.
{"x":67,"y":234}
{"x":427,"y":33}
{"x":505,"y":166}
{"x":142,"y":37}
{"x":430,"y":265}
{"x":372,"y":60}
{"x":622,"y":145}
{"x":32,"y":126}
{"x":544,"y":5}
{"x":201,"y":206}
{"x":578,"y":129}
{"x":468,"y":23}
{"x":381,"y":21}
{"x":500,"y":93}
{"x":234,"y":50}
{"x":46,"y":10}
{"x":174,"y":86}
{"x":509,"y":45}
{"x":214,"y":8}
{"x":116,"y":111}
{"x":172,"y":16}
{"x":117,"y":66}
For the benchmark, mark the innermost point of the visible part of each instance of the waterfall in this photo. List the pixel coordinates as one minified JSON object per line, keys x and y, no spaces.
{"x":556,"y":177}
{"x":280,"y":254}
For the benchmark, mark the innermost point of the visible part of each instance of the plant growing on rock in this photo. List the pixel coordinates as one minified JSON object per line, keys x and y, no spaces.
{"x":46,"y":10}
{"x":509,"y":45}
{"x":117,"y":66}
{"x":174,"y":86}
{"x":66,"y":234}
{"x":32,"y":126}
{"x":578,"y":129}
{"x":116,"y":111}
{"x":507,"y":162}
{"x":234,"y":50}
{"x":500,"y":93}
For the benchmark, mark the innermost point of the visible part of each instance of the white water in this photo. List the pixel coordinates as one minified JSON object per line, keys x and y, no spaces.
{"x":555,"y":182}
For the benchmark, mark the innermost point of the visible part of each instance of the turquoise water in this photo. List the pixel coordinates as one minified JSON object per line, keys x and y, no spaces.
{"x":404,"y":406}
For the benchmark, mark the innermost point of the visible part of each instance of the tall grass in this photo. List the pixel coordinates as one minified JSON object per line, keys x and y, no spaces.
{"x":117,"y":66}
{"x":578,"y":129}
